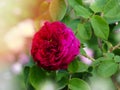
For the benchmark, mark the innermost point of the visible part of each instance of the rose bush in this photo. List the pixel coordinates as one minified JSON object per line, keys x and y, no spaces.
{"x":54,"y":46}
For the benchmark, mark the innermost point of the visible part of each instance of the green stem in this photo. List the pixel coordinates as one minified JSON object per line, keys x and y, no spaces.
{"x":92,"y":59}
{"x":70,"y":76}
{"x":115,"y":47}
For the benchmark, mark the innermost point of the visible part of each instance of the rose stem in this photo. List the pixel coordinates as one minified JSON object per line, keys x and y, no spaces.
{"x":115,"y":47}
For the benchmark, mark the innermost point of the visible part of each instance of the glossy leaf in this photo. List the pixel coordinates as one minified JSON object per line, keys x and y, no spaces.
{"x":26,"y":74}
{"x":62,"y":83}
{"x":74,"y":2}
{"x":61,"y":74}
{"x":82,"y":67}
{"x":77,"y":66}
{"x":78,"y":84}
{"x":100,"y":27}
{"x":82,"y":11}
{"x":107,"y":68}
{"x":73,"y":66}
{"x":37,"y":76}
{"x":84,"y":31}
{"x":111,"y":11}
{"x":110,"y":55}
{"x":117,"y":59}
{"x":98,"y":5}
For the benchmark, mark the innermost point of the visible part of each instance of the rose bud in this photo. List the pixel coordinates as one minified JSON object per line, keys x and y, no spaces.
{"x":54,"y":46}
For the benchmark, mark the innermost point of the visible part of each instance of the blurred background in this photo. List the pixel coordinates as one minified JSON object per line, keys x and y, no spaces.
{"x":19,"y":19}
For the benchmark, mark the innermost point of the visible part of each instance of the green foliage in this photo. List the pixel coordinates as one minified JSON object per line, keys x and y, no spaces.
{"x":73,"y":66}
{"x":111,"y":11}
{"x":62,"y":79}
{"x":78,"y":84}
{"x":62,"y":83}
{"x":84,"y":31}
{"x":82,"y":51}
{"x":77,"y":66}
{"x":98,"y":5}
{"x":107,"y":68}
{"x":37,"y":76}
{"x":110,"y":56}
{"x":95,"y":26}
{"x":61,"y":74}
{"x":108,"y":8}
{"x":26,"y":75}
{"x":117,"y":59}
{"x":74,"y":2}
{"x":100,"y":27}
{"x":82,"y":11}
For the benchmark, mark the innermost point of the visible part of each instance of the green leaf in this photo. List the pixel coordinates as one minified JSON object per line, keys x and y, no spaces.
{"x":79,"y":1}
{"x":107,"y":57}
{"x":98,"y":5}
{"x":37,"y":76}
{"x":74,"y":2}
{"x":71,"y":23}
{"x":82,"y":67}
{"x":57,"y":9}
{"x":77,"y":66}
{"x":110,"y":5}
{"x":84,"y":31}
{"x":111,"y":11}
{"x":62,"y":78}
{"x":62,"y":83}
{"x":117,"y":59}
{"x":100,"y":27}
{"x":110,"y":55}
{"x":107,"y":68}
{"x":109,"y":45}
{"x":82,"y":51}
{"x":78,"y":84}
{"x":26,"y":74}
{"x":103,"y":59}
{"x":73,"y":66}
{"x":82,"y":11}
{"x":96,"y":63}
{"x":61,"y":74}
{"x":89,"y":30}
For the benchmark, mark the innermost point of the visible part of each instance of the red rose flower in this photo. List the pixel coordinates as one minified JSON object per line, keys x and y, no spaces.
{"x":54,"y":46}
